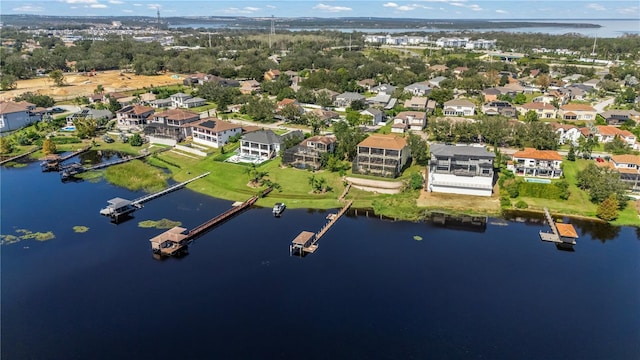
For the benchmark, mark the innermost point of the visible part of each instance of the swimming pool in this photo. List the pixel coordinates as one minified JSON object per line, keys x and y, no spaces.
{"x":68,"y":128}
{"x":538,"y":181}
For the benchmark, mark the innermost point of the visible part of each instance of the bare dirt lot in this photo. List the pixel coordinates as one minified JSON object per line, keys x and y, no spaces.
{"x":82,"y":85}
{"x":461,"y":203}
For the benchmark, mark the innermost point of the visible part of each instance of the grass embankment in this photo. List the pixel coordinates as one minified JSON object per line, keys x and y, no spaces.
{"x":136,"y":175}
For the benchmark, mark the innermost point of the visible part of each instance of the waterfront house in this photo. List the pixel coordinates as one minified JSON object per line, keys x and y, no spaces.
{"x":133,"y":116}
{"x":537,"y":163}
{"x":542,"y":109}
{"x":344,"y":100}
{"x":629,"y":168}
{"x":381,"y":155}
{"x":15,"y":115}
{"x":264,"y":144}
{"x":412,"y":120}
{"x":89,"y":113}
{"x":170,"y":125}
{"x":459,"y":107}
{"x":460,"y":169}
{"x":579,"y":112}
{"x":376,"y":115}
{"x":213,"y":132}
{"x":308,"y":154}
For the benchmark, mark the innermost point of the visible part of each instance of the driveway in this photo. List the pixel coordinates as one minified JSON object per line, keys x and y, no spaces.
{"x":603,"y":104}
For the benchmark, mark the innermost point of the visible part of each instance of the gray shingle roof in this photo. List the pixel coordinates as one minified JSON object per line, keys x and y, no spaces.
{"x":445,"y":150}
{"x":263,"y":137}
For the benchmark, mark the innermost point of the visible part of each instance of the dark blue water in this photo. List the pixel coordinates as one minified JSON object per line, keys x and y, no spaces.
{"x":370,"y":291}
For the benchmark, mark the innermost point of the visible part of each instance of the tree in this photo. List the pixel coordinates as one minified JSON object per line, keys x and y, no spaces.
{"x":113,"y":105}
{"x":347,"y":138}
{"x":617,"y":146}
{"x":256,"y":177}
{"x":571,"y":155}
{"x":85,"y":127}
{"x":36,"y":99}
{"x":418,"y":148}
{"x":358,"y":105}
{"x":608,"y":209}
{"x":314,"y":121}
{"x":8,"y":82}
{"x":6,"y":145}
{"x":519,"y":99}
{"x":323,"y":99}
{"x":504,"y":80}
{"x":441,"y":95}
{"x":58,"y":77}
{"x":136,"y":140}
{"x":586,"y":146}
{"x":416,"y":182}
{"x":290,"y":112}
{"x":48,"y":147}
{"x":319,"y":184}
{"x":530,"y":116}
{"x":543,"y":81}
{"x":99,"y":89}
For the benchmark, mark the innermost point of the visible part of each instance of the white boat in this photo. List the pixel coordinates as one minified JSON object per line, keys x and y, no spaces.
{"x":278,"y":208}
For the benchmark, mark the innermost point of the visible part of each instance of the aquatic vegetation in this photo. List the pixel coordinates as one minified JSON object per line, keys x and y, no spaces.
{"x":15,"y":164}
{"x":417,"y":238}
{"x":25,"y":235}
{"x":80,"y":229}
{"x":159,"y":224}
{"x":136,"y":175}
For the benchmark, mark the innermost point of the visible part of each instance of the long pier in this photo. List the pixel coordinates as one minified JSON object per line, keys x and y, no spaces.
{"x":560,"y":233}
{"x":74,"y":169}
{"x":307,"y":242}
{"x":119,"y":207}
{"x":19,"y":156}
{"x":175,"y":242}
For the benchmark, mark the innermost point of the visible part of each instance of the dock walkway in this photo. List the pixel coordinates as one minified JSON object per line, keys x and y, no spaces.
{"x":19,"y":156}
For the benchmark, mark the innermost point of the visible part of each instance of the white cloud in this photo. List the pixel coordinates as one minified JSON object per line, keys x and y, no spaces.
{"x":28,"y":8}
{"x":406,"y":8}
{"x":390,"y":4}
{"x":116,"y":2}
{"x":631,"y":10}
{"x":271,"y":6}
{"x":500,"y":11}
{"x":597,"y":7}
{"x":249,"y":8}
{"x":475,"y":7}
{"x":98,"y":6}
{"x":137,"y":4}
{"x":459,"y":4}
{"x":127,"y":10}
{"x":80,"y":1}
{"x":244,"y":10}
{"x":330,"y":8}
{"x":154,"y":6}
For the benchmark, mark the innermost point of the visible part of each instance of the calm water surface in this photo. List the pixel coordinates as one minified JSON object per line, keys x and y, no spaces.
{"x":370,"y":291}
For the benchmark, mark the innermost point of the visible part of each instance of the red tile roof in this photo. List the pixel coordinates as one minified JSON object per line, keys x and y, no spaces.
{"x":626,"y":159}
{"x":538,"y":106}
{"x":531,"y":153}
{"x":8,"y":107}
{"x":567,"y":230}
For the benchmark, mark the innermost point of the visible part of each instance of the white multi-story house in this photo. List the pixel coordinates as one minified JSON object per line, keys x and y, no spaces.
{"x":537,"y":163}
{"x":452,"y":42}
{"x":568,"y":134}
{"x":459,"y":107}
{"x":629,"y":168}
{"x":481,"y":44}
{"x":133,"y":116}
{"x":460,"y":169}
{"x":183,"y":100}
{"x":15,"y":115}
{"x":214,"y":132}
{"x":377,"y":115}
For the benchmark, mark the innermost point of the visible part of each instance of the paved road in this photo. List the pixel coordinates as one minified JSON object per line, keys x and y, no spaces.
{"x":603,"y":104}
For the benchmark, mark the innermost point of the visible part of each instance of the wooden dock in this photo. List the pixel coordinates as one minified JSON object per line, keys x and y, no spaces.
{"x":560,"y":233}
{"x":13,"y":158}
{"x":119,"y":207}
{"x":53,"y":162}
{"x":307,"y":242}
{"x":175,"y":242}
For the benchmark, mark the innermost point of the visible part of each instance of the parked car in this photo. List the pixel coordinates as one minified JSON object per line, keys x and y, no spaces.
{"x":107,"y":139}
{"x":57,"y":110}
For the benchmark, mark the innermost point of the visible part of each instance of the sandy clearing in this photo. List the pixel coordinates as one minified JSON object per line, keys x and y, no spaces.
{"x":81,"y":85}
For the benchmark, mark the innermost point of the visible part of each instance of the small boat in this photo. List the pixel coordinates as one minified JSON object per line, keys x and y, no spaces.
{"x":278,"y":208}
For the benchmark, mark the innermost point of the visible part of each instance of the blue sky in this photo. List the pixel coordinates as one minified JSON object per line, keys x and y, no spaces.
{"x":427,"y":9}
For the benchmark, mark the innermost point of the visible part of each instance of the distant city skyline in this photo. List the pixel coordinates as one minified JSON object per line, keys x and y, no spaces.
{"x":427,"y":9}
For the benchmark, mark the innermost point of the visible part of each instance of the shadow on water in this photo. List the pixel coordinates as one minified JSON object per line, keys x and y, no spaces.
{"x":94,"y":157}
{"x":460,"y":222}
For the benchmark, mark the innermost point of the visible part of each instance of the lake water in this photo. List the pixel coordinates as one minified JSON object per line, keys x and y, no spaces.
{"x":369,"y":291}
{"x":609,"y":28}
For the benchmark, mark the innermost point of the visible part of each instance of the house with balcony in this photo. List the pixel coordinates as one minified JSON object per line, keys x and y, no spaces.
{"x":542,"y":109}
{"x":309,"y":153}
{"x":382,"y":155}
{"x":15,"y":115}
{"x":537,"y":163}
{"x":264,"y":144}
{"x":172,"y":125}
{"x":629,"y":168}
{"x":577,"y":112}
{"x":213,"y":132}
{"x":567,"y":134}
{"x":619,"y":117}
{"x":459,"y":107}
{"x":249,"y":87}
{"x":411,"y":120}
{"x":460,"y":169}
{"x":133,"y":116}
